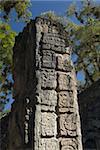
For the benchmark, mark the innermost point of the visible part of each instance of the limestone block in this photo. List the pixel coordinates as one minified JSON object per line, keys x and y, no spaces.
{"x":45,"y":28}
{"x":68,"y":125}
{"x":51,"y":34}
{"x":65,"y":99}
{"x":48,"y":124}
{"x":64,"y":81}
{"x":54,"y":30}
{"x":47,"y":108}
{"x":56,"y":34}
{"x":48,"y":59}
{"x":58,"y":49}
{"x":49,"y":97}
{"x":48,"y":79}
{"x":69,"y":144}
{"x":67,"y":109}
{"x":54,"y":41}
{"x":46,"y":46}
{"x":64,"y":62}
{"x":49,"y":144}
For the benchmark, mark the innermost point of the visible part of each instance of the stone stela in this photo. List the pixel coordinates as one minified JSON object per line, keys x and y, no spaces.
{"x":45,"y":113}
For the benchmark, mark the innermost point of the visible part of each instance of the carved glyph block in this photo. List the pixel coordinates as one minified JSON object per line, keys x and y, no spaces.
{"x":49,"y":97}
{"x":64,"y":81}
{"x":69,"y":144}
{"x":64,"y":62}
{"x":65,"y":99}
{"x":49,"y":144}
{"x":48,"y":124}
{"x":68,"y":125}
{"x":54,"y":41}
{"x":48,"y":59}
{"x":48,"y":79}
{"x":59,"y":49}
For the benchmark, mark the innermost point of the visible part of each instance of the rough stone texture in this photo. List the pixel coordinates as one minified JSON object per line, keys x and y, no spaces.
{"x":69,"y":144}
{"x":49,"y":97}
{"x":64,"y":63}
{"x":48,"y":124}
{"x":45,"y":113}
{"x":49,"y":144}
{"x":89,"y":102}
{"x":64,"y":81}
{"x":48,"y":79}
{"x":65,"y":99}
{"x":67,"y":124}
{"x":48,"y":59}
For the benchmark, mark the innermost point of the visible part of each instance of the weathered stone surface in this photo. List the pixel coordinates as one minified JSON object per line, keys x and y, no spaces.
{"x":65,"y":99}
{"x":48,"y":59}
{"x":48,"y":79}
{"x":49,"y":97}
{"x":68,"y":124}
{"x":69,"y":144}
{"x":54,"y":41}
{"x":49,"y":126}
{"x":64,"y":81}
{"x":43,"y":114}
{"x":50,"y":144}
{"x":64,"y":63}
{"x":47,"y":108}
{"x":52,"y":34}
{"x":58,"y":49}
{"x":67,"y":110}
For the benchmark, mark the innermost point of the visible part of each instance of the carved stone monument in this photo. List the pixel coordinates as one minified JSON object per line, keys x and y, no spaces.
{"x":45,"y":113}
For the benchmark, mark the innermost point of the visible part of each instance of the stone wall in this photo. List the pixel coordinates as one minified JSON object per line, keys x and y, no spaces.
{"x":45,"y":113}
{"x":89,"y":103}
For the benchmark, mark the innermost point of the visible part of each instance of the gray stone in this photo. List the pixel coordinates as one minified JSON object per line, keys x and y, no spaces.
{"x":56,"y":48}
{"x":69,"y":144}
{"x":66,"y":110}
{"x":64,"y":81}
{"x":50,"y":144}
{"x":68,"y":125}
{"x":48,"y":59}
{"x":55,"y":35}
{"x":54,"y":41}
{"x":48,"y":79}
{"x":48,"y":124}
{"x":43,"y":116}
{"x":46,"y":108}
{"x":65,"y":99}
{"x":64,"y":63}
{"x":49,"y":97}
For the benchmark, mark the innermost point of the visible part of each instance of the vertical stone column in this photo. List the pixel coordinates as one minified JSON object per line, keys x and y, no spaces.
{"x":45,"y":112}
{"x":57,"y":123}
{"x":45,"y":116}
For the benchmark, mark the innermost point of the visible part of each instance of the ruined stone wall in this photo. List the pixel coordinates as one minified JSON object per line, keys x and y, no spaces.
{"x":89,"y":103}
{"x":45,"y":113}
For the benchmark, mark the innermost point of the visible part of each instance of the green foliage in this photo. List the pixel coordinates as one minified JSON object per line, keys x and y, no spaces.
{"x":54,"y":17}
{"x":85,"y":39}
{"x":20,"y":7}
{"x":3,"y":114}
{"x":7,"y":40}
